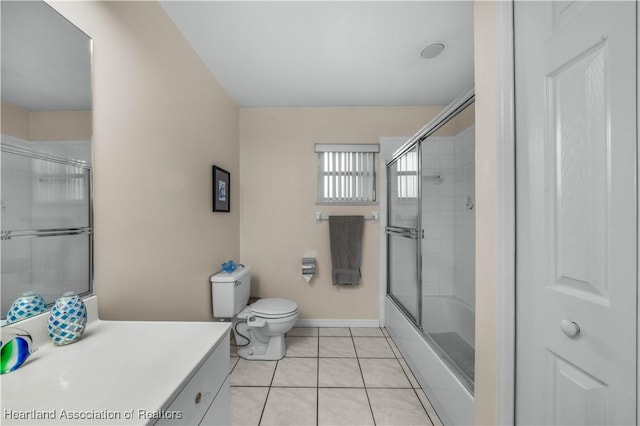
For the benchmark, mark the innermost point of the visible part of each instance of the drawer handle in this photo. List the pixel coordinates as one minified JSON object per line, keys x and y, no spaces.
{"x":198,"y":397}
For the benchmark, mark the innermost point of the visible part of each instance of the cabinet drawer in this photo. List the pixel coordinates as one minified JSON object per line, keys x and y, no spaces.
{"x":194,"y":399}
{"x":219,"y":413}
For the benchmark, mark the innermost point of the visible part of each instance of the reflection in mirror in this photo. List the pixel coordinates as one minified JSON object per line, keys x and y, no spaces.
{"x":45,"y":154}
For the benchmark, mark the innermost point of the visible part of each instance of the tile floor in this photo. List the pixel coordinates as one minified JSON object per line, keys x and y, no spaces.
{"x":330,"y":376}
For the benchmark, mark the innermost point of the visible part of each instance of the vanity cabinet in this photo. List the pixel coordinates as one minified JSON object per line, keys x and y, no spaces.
{"x":122,"y":373}
{"x":205,"y":399}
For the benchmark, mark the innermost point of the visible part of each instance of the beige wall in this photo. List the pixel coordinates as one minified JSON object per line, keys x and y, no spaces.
{"x":278,"y":193}
{"x":160,"y":121}
{"x":486,"y":371}
{"x":466,"y":118}
{"x":61,"y":125}
{"x":45,"y":125}
{"x":15,"y":121}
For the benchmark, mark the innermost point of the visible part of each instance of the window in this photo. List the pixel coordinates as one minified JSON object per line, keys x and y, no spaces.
{"x":346,"y":173}
{"x":59,"y":183}
{"x":407,"y":167}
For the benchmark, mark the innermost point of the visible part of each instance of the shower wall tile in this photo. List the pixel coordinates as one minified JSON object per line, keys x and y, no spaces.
{"x":464,"y":218}
{"x":447,"y":175}
{"x":438,"y":209}
{"x":431,"y":231}
{"x":431,"y":218}
{"x":464,"y":157}
{"x":465,"y":139}
{"x":447,"y":161}
{"x":446,"y":189}
{"x":430,"y":204}
{"x":447,"y":204}
{"x":446,"y":288}
{"x":431,"y":162}
{"x":431,"y":246}
{"x":447,"y":246}
{"x":430,"y":288}
{"x":446,"y":218}
{"x":446,"y":145}
{"x":431,"y":147}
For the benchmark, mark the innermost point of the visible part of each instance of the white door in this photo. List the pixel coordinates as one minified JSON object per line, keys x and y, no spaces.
{"x":576,"y":212}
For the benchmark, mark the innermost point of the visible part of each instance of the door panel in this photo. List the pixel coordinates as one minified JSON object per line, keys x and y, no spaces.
{"x":584,"y":396}
{"x":578,"y":149}
{"x":403,"y":248}
{"x":576,"y":212}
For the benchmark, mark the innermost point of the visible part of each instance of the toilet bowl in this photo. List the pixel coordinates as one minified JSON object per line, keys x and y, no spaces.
{"x":259,"y":328}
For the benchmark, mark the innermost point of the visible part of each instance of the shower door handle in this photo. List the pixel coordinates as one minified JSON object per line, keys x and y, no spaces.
{"x":411,"y":233}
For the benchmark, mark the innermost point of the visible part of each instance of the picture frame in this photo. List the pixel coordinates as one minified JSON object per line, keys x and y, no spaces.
{"x":221,"y":180}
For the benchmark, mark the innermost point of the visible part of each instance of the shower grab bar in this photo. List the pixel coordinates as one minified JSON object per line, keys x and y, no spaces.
{"x":7,"y":235}
{"x":411,"y":233}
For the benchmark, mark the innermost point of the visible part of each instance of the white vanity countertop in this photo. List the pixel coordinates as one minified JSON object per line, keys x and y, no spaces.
{"x":119,"y":372}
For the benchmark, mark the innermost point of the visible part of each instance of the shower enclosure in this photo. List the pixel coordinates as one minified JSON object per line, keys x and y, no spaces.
{"x":46,"y":218}
{"x":431,"y":257}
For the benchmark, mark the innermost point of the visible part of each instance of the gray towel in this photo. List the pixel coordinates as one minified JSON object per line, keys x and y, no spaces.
{"x":345,"y":235}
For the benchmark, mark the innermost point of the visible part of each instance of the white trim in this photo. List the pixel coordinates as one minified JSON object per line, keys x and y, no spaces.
{"x":338,"y":323}
{"x":505,"y":218}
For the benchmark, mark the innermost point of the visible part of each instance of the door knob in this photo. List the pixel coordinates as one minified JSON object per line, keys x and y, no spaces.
{"x":569,"y":328}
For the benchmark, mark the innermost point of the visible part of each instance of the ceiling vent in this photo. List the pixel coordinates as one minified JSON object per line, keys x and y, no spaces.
{"x":433,"y":50}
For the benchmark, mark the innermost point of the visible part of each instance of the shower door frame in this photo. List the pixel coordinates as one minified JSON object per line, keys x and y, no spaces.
{"x":415,"y":234}
{"x":452,"y":110}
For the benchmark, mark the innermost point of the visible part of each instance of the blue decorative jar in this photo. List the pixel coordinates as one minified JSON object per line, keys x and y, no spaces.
{"x":25,"y":306}
{"x":67,"y":320}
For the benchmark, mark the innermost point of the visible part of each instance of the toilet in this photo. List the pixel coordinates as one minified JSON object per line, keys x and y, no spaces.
{"x":259,"y":328}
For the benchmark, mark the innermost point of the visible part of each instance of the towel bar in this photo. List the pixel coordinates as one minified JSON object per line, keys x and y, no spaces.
{"x":373,"y":217}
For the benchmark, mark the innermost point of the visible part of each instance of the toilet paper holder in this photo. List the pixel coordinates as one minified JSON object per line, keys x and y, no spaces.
{"x":308,"y":268}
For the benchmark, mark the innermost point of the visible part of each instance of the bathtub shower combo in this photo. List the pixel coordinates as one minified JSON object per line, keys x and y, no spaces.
{"x":430,"y":304}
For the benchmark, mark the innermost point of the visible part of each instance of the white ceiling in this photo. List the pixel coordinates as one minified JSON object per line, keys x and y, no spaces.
{"x":331,"y":53}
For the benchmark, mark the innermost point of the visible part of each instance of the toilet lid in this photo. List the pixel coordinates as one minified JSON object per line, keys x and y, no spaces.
{"x":273,"y":308}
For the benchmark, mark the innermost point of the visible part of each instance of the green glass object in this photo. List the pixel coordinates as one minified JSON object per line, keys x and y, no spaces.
{"x":16,"y":347}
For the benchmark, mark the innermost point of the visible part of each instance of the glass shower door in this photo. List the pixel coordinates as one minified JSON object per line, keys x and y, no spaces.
{"x":404,"y":234}
{"x":46,"y":230}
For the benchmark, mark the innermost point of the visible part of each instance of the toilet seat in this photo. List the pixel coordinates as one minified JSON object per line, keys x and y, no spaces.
{"x":274,"y":308}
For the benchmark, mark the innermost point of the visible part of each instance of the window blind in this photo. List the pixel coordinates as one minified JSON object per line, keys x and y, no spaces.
{"x":346,"y":173}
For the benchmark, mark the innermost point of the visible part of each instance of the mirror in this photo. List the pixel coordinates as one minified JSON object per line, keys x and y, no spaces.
{"x":45,"y":154}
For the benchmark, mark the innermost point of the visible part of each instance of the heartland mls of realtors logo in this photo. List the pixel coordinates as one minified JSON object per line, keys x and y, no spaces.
{"x":90,"y":415}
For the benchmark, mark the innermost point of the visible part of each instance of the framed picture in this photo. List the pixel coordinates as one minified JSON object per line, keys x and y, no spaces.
{"x":221,"y":190}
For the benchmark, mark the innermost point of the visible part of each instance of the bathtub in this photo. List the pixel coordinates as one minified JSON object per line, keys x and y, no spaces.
{"x":450,"y":323}
{"x":448,"y":314}
{"x":450,"y":394}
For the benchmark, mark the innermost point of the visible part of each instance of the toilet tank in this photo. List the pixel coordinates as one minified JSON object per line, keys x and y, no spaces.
{"x":230,"y":291}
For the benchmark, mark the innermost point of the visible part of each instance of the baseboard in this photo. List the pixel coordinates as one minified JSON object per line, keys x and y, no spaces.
{"x":338,"y":323}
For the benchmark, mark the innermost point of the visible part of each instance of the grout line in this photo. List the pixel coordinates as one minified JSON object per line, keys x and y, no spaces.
{"x":425,"y":408}
{"x":366,"y":392}
{"x":264,"y":407}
